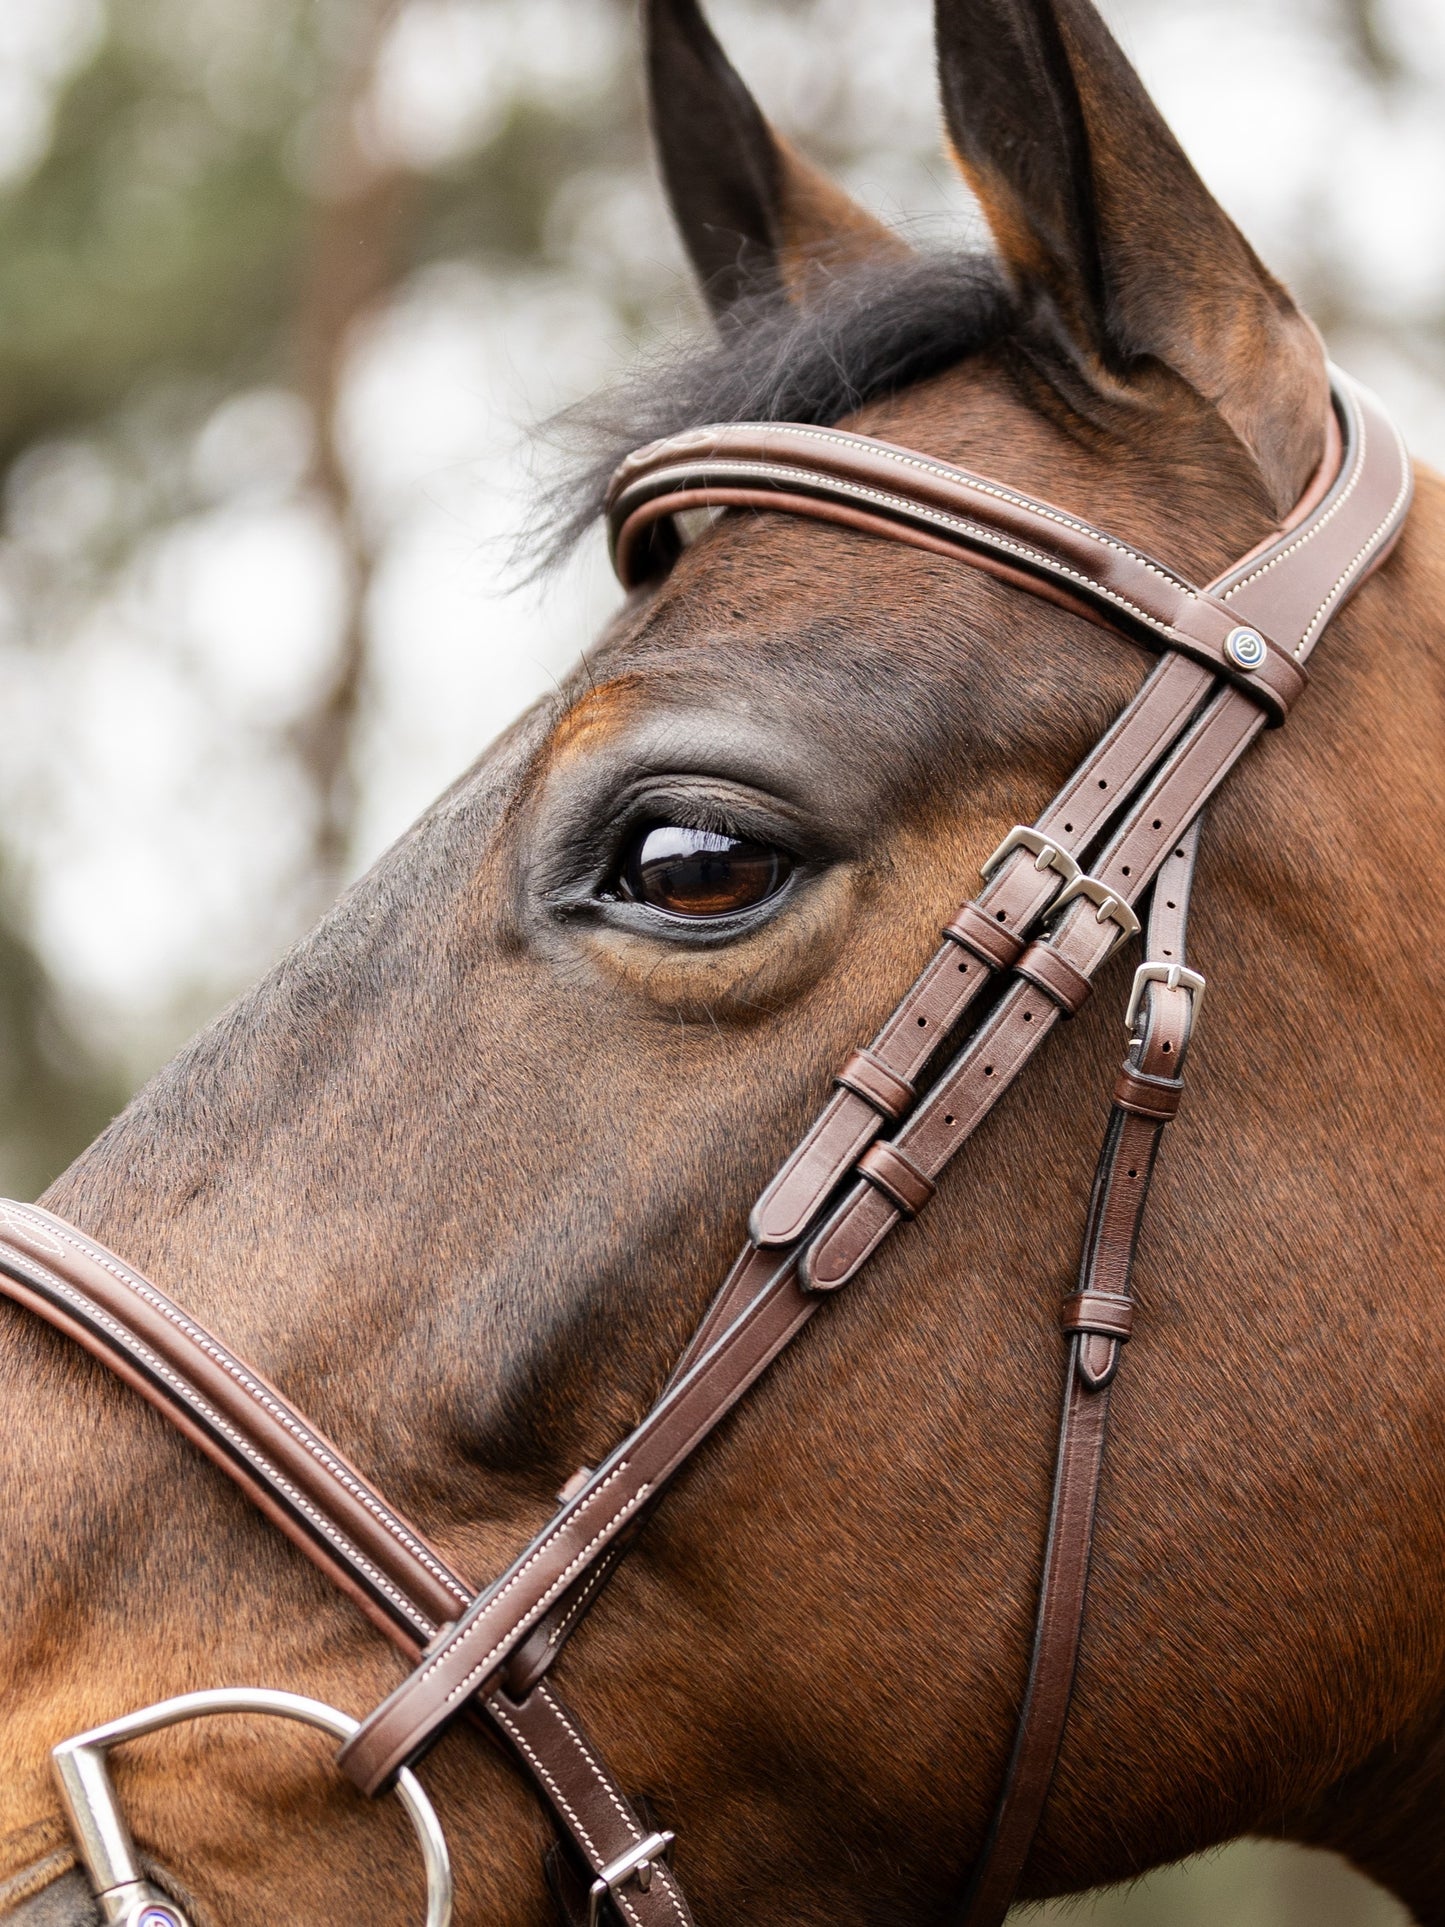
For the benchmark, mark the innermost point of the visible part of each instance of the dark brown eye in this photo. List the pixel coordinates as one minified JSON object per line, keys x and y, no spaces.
{"x":701,"y":873}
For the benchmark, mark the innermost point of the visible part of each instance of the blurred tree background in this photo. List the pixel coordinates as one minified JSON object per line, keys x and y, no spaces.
{"x":282,"y":287}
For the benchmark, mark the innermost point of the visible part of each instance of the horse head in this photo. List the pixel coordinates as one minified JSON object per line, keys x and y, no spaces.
{"x":462,"y":1173}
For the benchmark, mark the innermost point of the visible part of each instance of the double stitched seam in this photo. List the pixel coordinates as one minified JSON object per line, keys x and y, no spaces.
{"x":585,"y":1754}
{"x":978,"y":485}
{"x":101,"y":1320}
{"x":286,"y":1419}
{"x":1311,"y":529}
{"x":1342,"y":581}
{"x":659,"y":1869}
{"x":962,"y":525}
{"x":463,"y":1635}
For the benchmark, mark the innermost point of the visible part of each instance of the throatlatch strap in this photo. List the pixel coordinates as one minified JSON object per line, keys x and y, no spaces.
{"x":1096,"y":1320}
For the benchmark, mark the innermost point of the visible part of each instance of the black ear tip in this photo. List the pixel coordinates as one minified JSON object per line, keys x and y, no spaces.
{"x":680,"y":26}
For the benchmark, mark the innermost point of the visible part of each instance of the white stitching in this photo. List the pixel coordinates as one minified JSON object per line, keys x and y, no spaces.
{"x":943,"y":518}
{"x":607,"y":1787}
{"x":99,"y":1318}
{"x":1343,"y":579}
{"x":462,"y":1633}
{"x":498,"y":1712}
{"x":287,"y":1419}
{"x":495,"y":1708}
{"x":943,"y":470}
{"x":593,"y":1767}
{"x":1312,"y":529}
{"x":578,"y":1606}
{"x":458,"y":1640}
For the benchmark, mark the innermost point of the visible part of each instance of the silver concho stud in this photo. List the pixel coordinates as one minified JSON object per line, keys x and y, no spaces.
{"x":1245,"y":648}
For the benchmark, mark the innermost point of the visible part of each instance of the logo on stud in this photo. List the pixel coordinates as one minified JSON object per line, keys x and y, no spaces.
{"x":1245,"y":648}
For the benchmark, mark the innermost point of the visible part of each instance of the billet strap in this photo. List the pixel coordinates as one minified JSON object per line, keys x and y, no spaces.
{"x":1097,"y":1319}
{"x":768,"y":1298}
{"x":299,"y":1479}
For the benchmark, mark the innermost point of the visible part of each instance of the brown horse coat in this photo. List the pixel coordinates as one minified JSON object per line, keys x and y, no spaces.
{"x":462,"y":1173}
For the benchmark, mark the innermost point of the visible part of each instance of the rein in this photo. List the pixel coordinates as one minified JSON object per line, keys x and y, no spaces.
{"x":1037,"y":934}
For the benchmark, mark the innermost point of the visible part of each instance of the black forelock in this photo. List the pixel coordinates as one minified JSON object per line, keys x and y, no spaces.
{"x":873,"y":331}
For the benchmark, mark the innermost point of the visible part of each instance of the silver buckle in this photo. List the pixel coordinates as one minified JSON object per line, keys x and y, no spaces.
{"x":1109,"y":906}
{"x":1175,"y":976}
{"x":637,"y":1860}
{"x":1046,"y":855}
{"x":102,"y":1837}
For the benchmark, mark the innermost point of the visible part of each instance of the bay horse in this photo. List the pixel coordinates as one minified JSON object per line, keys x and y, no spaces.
{"x":462,"y":1173}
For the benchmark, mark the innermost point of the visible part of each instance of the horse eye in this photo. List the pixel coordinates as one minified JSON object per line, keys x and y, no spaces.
{"x":700,"y":873}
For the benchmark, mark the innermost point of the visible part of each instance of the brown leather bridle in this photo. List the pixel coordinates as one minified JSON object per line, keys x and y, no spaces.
{"x":1035,"y":937}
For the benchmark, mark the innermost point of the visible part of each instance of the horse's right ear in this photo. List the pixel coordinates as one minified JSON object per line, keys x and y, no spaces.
{"x":754,"y":215}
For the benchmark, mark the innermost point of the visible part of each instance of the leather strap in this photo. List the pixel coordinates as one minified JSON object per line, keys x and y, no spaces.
{"x":1148,"y":779}
{"x":1298,"y":575}
{"x":897,"y":492}
{"x":299,"y":1479}
{"x":1097,"y":1320}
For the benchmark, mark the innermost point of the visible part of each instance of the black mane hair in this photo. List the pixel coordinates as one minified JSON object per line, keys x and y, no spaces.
{"x":873,"y":331}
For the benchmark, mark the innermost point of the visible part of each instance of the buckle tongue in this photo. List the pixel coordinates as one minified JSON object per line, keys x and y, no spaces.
{"x":1174,"y":975}
{"x":637,"y":1860}
{"x":1046,"y":854}
{"x":1109,"y":906}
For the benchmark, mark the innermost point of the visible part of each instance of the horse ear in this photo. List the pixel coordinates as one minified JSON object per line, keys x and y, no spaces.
{"x":1110,"y":234}
{"x":754,"y":215}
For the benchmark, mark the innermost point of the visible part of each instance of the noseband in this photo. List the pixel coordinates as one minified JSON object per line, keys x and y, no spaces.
{"x":1059,"y":897}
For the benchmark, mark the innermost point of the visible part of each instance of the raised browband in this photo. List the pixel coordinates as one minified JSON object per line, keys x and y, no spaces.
{"x":831,"y":475}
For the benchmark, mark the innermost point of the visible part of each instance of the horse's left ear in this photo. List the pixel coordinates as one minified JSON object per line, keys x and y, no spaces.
{"x":1110,"y":234}
{"x":754,"y":215}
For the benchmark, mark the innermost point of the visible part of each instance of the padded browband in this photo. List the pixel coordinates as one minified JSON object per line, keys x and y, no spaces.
{"x":853,"y":480}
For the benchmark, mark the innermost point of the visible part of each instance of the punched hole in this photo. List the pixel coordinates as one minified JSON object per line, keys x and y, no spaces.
{"x":948,"y":1118}
{"x":1028,"y":1016}
{"x":1179,"y":853}
{"x":1067,"y":828}
{"x":1126,"y":869}
{"x":1158,"y":822}
{"x":1168,"y":953}
{"x":1167,"y":1049}
{"x":922,"y":1023}
{"x":1001,"y":915}
{"x":1170,"y":904}
{"x":988,"y":1069}
{"x":1133,"y":1174}
{"x":1102,"y":784}
{"x":962,"y":969}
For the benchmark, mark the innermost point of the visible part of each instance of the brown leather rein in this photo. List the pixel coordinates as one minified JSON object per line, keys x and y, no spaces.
{"x":901,"y":1108}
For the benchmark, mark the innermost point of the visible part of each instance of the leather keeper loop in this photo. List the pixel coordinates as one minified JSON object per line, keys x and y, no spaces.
{"x":1146,"y":1096}
{"x":985,"y":936}
{"x":1108,"y":1313}
{"x":1055,"y":976}
{"x":876,"y":1084}
{"x":897,"y":1177}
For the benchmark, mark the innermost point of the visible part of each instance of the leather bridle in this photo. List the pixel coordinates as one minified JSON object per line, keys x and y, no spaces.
{"x":1020,"y":956}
